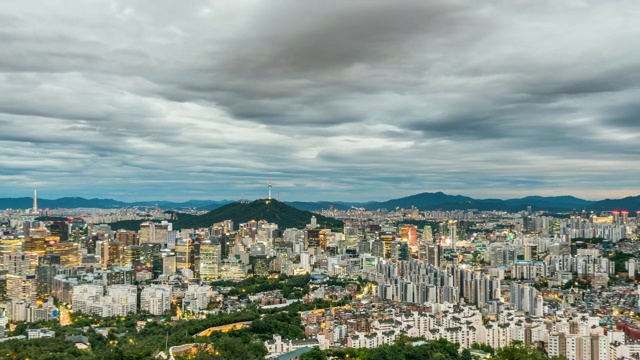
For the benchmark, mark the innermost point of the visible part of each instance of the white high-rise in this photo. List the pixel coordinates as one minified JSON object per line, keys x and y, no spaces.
{"x":155,"y":299}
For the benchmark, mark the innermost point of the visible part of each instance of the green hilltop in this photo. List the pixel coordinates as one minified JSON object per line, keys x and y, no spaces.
{"x":272,"y":211}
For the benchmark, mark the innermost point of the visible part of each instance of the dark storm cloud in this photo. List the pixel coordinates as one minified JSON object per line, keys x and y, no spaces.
{"x":301,"y":38}
{"x":360,"y":99}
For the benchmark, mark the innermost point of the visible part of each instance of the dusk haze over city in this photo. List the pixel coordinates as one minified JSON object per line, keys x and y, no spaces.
{"x":319,"y":180}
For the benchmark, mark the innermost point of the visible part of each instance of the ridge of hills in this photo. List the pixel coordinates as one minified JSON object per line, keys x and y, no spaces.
{"x":272,"y":211}
{"x":422,"y":201}
{"x":79,"y":202}
{"x":442,"y":201}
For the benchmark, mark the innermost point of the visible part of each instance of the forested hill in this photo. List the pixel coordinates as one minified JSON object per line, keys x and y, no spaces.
{"x":272,"y":211}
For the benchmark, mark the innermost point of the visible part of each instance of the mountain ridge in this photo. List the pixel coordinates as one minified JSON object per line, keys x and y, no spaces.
{"x":272,"y":211}
{"x":423,"y":201}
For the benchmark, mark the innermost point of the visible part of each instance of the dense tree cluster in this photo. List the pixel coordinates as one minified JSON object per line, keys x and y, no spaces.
{"x":291,"y":287}
{"x":406,"y":349}
{"x":125,"y":341}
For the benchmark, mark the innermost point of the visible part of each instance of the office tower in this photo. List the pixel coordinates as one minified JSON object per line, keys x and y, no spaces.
{"x":387,"y":238}
{"x":529,"y":224}
{"x":156,"y":265}
{"x":227,"y":243}
{"x":147,"y":233}
{"x":162,"y":232}
{"x":147,"y":252}
{"x":127,"y":237}
{"x":69,"y":253}
{"x":433,"y":255}
{"x":210,"y":259}
{"x":312,"y":238}
{"x":35,"y":201}
{"x":60,"y":230}
{"x":168,"y":262}
{"x":227,"y":226}
{"x":78,"y":229}
{"x":34,"y":245}
{"x":155,"y":233}
{"x":323,"y":240}
{"x":111,"y":253}
{"x":351,"y":237}
{"x":47,"y":269}
{"x":185,"y":254}
{"x":132,"y":254}
{"x":427,"y":234}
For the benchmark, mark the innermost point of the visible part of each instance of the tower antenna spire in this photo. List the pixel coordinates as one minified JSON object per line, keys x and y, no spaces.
{"x":35,"y":201}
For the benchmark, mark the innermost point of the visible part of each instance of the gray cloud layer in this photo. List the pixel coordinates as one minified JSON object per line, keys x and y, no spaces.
{"x":355,"y":100}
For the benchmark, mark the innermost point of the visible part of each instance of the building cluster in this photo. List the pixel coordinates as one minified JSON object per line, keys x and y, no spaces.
{"x":371,"y":324}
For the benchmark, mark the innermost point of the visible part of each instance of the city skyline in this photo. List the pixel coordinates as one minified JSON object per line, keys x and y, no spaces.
{"x":357,"y":101}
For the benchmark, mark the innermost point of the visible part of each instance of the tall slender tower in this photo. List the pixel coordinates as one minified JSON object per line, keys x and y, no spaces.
{"x":269,"y":189}
{"x":35,"y":201}
{"x":453,"y":234}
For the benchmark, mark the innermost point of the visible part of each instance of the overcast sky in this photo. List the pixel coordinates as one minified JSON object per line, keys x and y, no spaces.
{"x":332,"y":100}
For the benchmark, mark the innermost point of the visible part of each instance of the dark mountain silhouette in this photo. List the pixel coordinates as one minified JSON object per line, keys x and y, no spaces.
{"x":272,"y":211}
{"x":79,"y":202}
{"x":630,"y":203}
{"x":422,"y":201}
{"x":442,"y":201}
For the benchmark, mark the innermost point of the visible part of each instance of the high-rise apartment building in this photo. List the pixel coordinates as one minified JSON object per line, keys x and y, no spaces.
{"x":17,"y":264}
{"x":22,"y":287}
{"x":155,"y":299}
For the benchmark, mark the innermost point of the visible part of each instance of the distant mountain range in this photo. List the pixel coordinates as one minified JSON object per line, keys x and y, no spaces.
{"x":442,"y":201}
{"x":78,"y":202}
{"x":423,"y":201}
{"x":272,"y":211}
